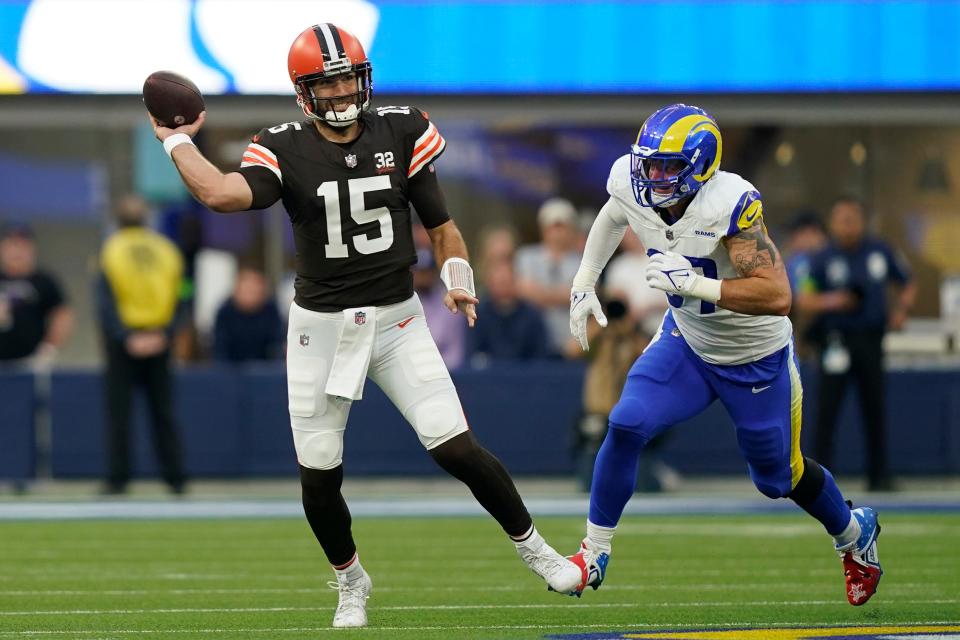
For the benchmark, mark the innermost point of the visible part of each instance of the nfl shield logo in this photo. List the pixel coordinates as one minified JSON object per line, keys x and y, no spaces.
{"x":360,"y":318}
{"x":304,"y":339}
{"x":351,"y":162}
{"x":669,"y":234}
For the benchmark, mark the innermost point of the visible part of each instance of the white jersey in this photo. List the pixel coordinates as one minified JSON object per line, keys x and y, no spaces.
{"x":725,"y":204}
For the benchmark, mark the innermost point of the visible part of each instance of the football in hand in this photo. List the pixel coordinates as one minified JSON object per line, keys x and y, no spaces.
{"x":172,"y":99}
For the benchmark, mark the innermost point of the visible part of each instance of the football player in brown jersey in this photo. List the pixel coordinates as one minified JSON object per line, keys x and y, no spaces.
{"x":347,"y":175}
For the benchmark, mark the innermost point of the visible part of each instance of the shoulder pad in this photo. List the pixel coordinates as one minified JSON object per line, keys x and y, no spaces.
{"x":403,"y":119}
{"x":734,"y":201}
{"x":262,"y":149}
{"x":618,"y":182}
{"x":277,"y":133}
{"x":426,"y":142}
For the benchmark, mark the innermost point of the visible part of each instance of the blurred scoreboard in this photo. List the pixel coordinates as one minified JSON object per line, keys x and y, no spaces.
{"x":481,"y":46}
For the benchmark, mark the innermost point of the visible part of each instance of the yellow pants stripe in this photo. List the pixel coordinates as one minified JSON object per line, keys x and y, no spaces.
{"x":796,"y":419}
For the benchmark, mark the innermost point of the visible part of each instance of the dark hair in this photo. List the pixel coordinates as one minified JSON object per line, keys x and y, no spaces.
{"x":15,"y":229}
{"x":805,"y":219}
{"x":131,"y":211}
{"x":849,"y":198}
{"x":250,"y":263}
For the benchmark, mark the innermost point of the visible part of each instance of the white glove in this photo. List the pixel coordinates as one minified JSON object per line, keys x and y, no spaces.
{"x":673,"y":273}
{"x":583,"y":304}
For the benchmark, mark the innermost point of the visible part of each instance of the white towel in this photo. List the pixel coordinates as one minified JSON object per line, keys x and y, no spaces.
{"x":352,"y":358}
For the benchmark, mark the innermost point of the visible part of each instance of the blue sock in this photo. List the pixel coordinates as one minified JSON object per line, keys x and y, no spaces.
{"x":614,"y":475}
{"x":829,"y":507}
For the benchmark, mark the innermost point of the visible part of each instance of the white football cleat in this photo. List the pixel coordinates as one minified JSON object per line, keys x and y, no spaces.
{"x":560,"y":573}
{"x":352,"y":608}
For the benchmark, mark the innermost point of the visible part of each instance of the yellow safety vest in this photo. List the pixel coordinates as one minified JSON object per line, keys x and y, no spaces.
{"x":144,"y":270}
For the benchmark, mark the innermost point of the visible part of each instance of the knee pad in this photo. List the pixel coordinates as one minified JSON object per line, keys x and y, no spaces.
{"x":771,"y":490}
{"x":318,"y":422}
{"x":769,"y":463}
{"x":319,"y":449}
{"x":437,"y":418}
{"x":630,"y":415}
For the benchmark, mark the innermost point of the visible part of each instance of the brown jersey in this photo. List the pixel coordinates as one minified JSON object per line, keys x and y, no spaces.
{"x":348,"y":203}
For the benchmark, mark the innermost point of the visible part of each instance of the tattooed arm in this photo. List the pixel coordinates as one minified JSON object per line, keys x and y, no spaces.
{"x":762,"y":288}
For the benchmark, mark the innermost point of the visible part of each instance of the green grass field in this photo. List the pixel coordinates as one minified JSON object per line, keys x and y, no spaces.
{"x":456,"y":578}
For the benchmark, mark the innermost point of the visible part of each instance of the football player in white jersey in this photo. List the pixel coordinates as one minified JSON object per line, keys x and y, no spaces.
{"x":726,"y":336}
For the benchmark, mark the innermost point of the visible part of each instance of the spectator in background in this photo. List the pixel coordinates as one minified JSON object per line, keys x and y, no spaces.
{"x":497,"y":244}
{"x":448,"y":330}
{"x":585,"y":220}
{"x":248,"y":325}
{"x":138,"y":295}
{"x":35,"y":319}
{"x":847,"y":292}
{"x":807,"y":237}
{"x":545,"y":270}
{"x":510,"y":329}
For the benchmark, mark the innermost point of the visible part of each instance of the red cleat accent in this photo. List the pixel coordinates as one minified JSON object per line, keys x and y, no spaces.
{"x":862,"y":579}
{"x":578,"y":560}
{"x":593,"y":568}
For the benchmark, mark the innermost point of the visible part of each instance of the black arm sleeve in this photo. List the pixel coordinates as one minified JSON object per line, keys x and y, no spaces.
{"x":264,"y":184}
{"x":426,"y":197}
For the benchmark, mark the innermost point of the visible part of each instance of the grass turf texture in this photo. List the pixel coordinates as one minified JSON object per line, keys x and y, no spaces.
{"x":456,"y":578}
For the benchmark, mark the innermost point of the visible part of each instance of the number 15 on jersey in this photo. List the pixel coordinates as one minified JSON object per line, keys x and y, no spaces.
{"x":357,"y":188}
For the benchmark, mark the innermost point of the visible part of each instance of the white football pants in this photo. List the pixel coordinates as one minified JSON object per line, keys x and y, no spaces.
{"x":404,"y":363}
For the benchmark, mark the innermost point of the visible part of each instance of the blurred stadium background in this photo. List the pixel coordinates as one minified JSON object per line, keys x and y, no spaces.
{"x":536,"y":100}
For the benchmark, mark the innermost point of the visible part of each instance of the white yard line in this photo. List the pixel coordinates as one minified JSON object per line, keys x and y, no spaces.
{"x":720,"y":586}
{"x":451,"y":607}
{"x":134,"y":509}
{"x":630,"y":625}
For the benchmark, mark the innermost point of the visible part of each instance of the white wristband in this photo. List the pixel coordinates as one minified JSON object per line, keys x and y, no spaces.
{"x":706,"y":289}
{"x":175,"y":141}
{"x":586,"y":278}
{"x":456,"y":273}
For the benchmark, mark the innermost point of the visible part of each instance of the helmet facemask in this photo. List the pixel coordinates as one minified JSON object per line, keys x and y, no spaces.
{"x":659,"y":179}
{"x":323,"y":108}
